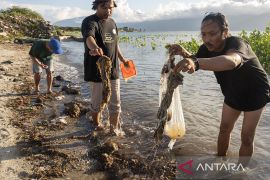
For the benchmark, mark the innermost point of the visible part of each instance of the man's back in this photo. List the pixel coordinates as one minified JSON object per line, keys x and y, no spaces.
{"x":40,"y":51}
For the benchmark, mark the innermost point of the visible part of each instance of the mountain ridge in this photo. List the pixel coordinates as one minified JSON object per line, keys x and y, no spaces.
{"x":236,"y":23}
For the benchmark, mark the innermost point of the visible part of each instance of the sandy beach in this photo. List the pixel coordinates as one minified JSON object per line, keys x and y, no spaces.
{"x":14,"y":74}
{"x":30,"y":124}
{"x":26,"y":119}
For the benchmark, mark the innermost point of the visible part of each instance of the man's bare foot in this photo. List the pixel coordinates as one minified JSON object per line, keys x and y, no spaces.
{"x":51,"y":92}
{"x":99,"y":128}
{"x":36,"y":92}
{"x":117,"y":132}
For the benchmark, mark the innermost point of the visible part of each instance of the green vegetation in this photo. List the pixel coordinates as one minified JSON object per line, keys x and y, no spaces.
{"x":191,"y":46}
{"x":68,"y":31}
{"x":144,"y":40}
{"x":260,"y":43}
{"x":17,"y":22}
{"x":16,"y":11}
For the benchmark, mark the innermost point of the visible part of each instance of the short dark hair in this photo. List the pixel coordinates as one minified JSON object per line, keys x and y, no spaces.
{"x":97,"y":2}
{"x":219,"y":18}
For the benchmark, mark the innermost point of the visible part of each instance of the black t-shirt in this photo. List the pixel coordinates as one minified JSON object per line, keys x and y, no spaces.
{"x":106,"y":35}
{"x":246,"y":87}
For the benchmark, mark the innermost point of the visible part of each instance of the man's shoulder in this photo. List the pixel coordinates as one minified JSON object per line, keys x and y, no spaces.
{"x":203,"y":48}
{"x":92,"y":17}
{"x":112,"y":20}
{"x":235,"y":39}
{"x":40,"y":43}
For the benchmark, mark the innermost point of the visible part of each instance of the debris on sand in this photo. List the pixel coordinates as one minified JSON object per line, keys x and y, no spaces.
{"x":70,"y":90}
{"x":75,"y":109}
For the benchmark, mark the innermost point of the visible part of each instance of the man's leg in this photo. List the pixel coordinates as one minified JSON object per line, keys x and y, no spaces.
{"x":37,"y":70}
{"x":49,"y":82}
{"x":96,"y":99}
{"x":249,"y":125}
{"x":49,"y":72}
{"x":229,"y":117}
{"x":114,"y":105}
{"x":96,"y":118}
{"x":37,"y":80}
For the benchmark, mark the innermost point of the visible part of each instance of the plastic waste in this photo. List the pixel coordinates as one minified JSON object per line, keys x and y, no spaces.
{"x":175,"y":124}
{"x":128,"y":70}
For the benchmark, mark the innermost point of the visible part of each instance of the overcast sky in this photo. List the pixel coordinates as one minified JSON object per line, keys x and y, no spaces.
{"x":139,"y":10}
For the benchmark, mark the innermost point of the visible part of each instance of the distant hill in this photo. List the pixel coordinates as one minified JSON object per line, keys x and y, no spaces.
{"x":237,"y":23}
{"x":74,"y":22}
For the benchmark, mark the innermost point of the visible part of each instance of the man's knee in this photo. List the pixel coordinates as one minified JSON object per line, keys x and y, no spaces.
{"x":225,"y":128}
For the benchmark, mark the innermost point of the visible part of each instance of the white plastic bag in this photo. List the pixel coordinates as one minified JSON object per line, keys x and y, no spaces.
{"x":175,"y":127}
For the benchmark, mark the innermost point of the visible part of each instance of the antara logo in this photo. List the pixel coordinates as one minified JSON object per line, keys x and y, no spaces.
{"x":210,"y":167}
{"x":220,"y":167}
{"x":189,"y":163}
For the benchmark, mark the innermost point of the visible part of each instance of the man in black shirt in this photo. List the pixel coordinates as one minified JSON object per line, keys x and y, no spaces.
{"x":101,"y":38}
{"x":242,"y":79}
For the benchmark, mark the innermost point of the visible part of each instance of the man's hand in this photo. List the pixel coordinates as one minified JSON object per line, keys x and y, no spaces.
{"x":44,"y":66}
{"x":186,"y":65}
{"x":125,"y":62}
{"x":176,"y":49}
{"x":96,"y":52}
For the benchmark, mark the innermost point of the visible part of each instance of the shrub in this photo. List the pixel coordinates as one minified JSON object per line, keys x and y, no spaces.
{"x":19,"y":11}
{"x":260,"y":43}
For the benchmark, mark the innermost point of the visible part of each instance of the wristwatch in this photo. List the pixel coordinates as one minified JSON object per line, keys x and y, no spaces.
{"x":196,"y":62}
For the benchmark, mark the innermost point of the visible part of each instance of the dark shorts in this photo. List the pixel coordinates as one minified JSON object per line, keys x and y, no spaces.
{"x":248,"y":103}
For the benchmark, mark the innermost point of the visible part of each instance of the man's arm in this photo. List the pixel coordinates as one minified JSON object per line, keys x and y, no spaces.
{"x":95,"y":50}
{"x":120,"y":56}
{"x":219,"y":63}
{"x":35,"y":60}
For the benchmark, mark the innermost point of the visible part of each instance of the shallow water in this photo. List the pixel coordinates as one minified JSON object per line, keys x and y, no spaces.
{"x":201,"y":100}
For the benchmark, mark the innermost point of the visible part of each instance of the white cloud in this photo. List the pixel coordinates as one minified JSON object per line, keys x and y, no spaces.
{"x":51,"y":13}
{"x":123,"y":13}
{"x":172,"y":9}
{"x":176,"y":9}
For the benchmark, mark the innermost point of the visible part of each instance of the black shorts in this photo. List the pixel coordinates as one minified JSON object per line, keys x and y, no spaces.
{"x":247,"y":103}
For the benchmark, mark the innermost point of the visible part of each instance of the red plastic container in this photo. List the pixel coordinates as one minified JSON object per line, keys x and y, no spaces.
{"x":128,"y":71}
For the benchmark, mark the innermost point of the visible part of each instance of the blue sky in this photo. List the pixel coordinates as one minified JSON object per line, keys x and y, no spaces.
{"x":139,"y":10}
